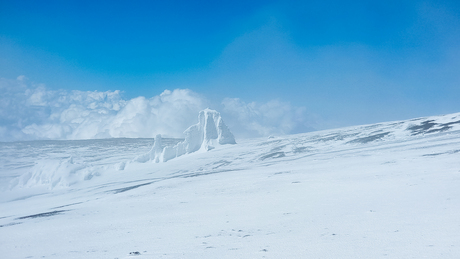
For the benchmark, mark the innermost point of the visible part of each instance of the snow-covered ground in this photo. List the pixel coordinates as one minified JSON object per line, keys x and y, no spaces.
{"x":389,"y":190}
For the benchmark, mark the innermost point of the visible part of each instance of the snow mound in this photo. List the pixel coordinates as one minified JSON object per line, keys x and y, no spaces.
{"x":55,"y":173}
{"x":208,"y":133}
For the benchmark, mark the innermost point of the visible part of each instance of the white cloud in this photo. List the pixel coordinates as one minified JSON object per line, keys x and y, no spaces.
{"x":29,"y":111}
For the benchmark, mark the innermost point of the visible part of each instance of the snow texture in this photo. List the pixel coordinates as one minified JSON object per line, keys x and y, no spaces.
{"x":387,"y":190}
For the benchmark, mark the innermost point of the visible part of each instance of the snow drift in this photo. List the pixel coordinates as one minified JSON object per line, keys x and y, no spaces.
{"x":56,"y":173}
{"x":208,"y":133}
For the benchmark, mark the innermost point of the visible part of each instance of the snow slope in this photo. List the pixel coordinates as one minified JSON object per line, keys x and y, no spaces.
{"x":388,"y":190}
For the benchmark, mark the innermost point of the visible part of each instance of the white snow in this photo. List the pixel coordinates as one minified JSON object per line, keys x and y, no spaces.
{"x":388,"y":190}
{"x":56,"y":173}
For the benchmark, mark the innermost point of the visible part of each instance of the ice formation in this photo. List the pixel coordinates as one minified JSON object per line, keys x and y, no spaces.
{"x":209,"y":132}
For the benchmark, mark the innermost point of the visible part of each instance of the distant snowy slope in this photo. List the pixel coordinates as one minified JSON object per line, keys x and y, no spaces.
{"x":387,"y":190}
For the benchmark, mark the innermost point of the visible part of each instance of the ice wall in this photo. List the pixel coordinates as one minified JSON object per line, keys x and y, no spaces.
{"x":208,"y":133}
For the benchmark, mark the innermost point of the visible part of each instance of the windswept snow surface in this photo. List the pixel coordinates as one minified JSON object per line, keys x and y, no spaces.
{"x":388,"y":190}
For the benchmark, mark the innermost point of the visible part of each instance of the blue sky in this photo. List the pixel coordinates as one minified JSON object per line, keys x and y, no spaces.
{"x":341,"y":62}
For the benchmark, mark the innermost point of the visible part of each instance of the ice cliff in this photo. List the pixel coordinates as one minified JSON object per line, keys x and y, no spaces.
{"x":209,"y":132}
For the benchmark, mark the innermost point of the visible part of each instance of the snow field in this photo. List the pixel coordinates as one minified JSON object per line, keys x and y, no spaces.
{"x":334,"y":194}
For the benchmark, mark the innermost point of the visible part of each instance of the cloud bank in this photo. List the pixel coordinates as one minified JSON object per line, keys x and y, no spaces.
{"x":30,"y":111}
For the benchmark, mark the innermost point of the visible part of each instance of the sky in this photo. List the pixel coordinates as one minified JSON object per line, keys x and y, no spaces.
{"x":90,"y":69}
